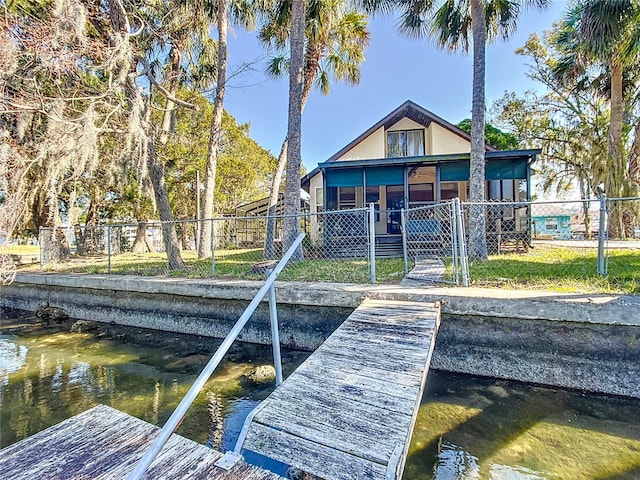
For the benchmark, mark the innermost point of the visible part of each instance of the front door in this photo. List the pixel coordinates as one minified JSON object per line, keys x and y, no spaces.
{"x":395,"y":202}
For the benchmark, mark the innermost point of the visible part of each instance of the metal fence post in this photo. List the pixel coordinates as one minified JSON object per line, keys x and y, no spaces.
{"x":40,"y":244}
{"x":108,"y":249}
{"x":602,"y":235}
{"x":213,"y":248}
{"x":372,"y":241}
{"x":403,"y":228}
{"x":462,"y":243}
{"x":454,"y":243}
{"x":275,"y":334}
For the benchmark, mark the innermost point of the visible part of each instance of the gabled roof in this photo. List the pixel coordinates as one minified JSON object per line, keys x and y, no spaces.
{"x":414,"y":112}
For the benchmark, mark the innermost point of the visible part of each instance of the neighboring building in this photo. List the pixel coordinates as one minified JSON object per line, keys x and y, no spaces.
{"x":549,"y":220}
{"x":413,"y":158}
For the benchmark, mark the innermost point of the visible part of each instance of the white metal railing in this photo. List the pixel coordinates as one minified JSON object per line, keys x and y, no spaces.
{"x":180,"y":411}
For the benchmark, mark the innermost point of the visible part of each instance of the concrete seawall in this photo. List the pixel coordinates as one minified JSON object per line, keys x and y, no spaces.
{"x":589,"y":342}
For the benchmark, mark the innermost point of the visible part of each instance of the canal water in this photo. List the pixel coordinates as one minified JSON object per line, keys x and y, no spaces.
{"x":467,"y":427}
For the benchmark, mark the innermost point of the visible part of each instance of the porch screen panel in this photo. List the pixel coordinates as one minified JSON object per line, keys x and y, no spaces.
{"x":507,"y":169}
{"x":344,"y":177}
{"x":454,"y":171}
{"x":384,"y":176}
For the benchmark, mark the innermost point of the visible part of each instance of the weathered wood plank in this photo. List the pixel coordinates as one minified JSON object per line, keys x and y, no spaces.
{"x":103,"y":443}
{"x":391,"y":361}
{"x":335,"y":416}
{"x":339,"y":363}
{"x":355,"y":399}
{"x":369,"y":391}
{"x":414,"y":343}
{"x":327,"y":463}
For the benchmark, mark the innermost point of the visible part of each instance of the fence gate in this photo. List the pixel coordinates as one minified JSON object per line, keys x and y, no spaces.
{"x":433,"y":243}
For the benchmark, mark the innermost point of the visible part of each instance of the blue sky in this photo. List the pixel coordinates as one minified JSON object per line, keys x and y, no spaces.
{"x":396,"y":69}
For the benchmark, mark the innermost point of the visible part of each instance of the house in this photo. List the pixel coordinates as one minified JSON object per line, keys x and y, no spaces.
{"x":551,"y":221}
{"x":412,"y":158}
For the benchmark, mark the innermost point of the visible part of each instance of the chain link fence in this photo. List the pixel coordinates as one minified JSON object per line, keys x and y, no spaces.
{"x":431,"y":243}
{"x":336,"y":247}
{"x":560,"y":241}
{"x":529,"y":243}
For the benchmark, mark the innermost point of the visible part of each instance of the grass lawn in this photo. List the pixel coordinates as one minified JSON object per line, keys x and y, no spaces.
{"x":21,"y":250}
{"x":560,"y":269}
{"x":546,"y":267}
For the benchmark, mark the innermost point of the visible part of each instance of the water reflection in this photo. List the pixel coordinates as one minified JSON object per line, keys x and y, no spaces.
{"x":454,"y":463}
{"x":12,"y":358}
{"x":48,"y":374}
{"x":476,"y":428}
{"x":467,"y":427}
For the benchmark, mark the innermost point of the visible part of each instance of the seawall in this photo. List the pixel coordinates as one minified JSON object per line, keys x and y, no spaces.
{"x":588,"y":342}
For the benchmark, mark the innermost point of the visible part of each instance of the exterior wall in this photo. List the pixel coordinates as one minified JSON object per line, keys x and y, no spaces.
{"x":314,"y":225}
{"x":443,"y":141}
{"x":371,"y":147}
{"x":563,"y":231}
{"x":314,"y":182}
{"x":437,"y":139}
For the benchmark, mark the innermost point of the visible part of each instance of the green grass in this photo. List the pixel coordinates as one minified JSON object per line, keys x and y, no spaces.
{"x":236,"y":264}
{"x":560,"y":269}
{"x":22,"y":250}
{"x":553,"y":268}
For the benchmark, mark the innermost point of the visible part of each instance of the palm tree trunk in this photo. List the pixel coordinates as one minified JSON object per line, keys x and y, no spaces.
{"x":615,"y":178}
{"x":292,"y":190}
{"x":477,"y":226}
{"x":269,"y":242}
{"x":216,"y":132}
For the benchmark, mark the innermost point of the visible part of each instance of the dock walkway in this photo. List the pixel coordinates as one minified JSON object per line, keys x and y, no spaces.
{"x":349,"y":410}
{"x":104,"y":443}
{"x":346,"y":413}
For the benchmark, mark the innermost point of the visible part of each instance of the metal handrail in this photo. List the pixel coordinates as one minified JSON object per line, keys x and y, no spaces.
{"x":180,"y":411}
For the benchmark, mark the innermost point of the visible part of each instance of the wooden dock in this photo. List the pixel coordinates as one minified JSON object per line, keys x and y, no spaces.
{"x":103,"y":443}
{"x":349,"y":410}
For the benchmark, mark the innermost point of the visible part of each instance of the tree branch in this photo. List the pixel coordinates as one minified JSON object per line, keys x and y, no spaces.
{"x":161,"y":89}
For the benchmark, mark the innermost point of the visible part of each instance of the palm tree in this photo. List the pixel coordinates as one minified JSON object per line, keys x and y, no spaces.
{"x":604,"y":32}
{"x":449,"y":23}
{"x":337,"y":36}
{"x":294,"y":127}
{"x":242,"y":14}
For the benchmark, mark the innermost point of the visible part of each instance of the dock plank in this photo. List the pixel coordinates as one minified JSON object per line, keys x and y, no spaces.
{"x":324,"y":462}
{"x":327,"y":418}
{"x":103,"y":443}
{"x":352,"y":405}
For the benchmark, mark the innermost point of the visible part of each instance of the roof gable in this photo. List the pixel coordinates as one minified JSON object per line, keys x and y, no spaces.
{"x":414,"y":112}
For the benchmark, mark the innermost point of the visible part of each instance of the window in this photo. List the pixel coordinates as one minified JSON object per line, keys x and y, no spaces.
{"x":501,"y":190}
{"x":421,"y":185}
{"x":551,"y":224}
{"x":373,"y":195}
{"x":448,"y":190}
{"x":319,"y":199}
{"x":349,"y":197}
{"x":405,"y":143}
{"x":420,"y":193}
